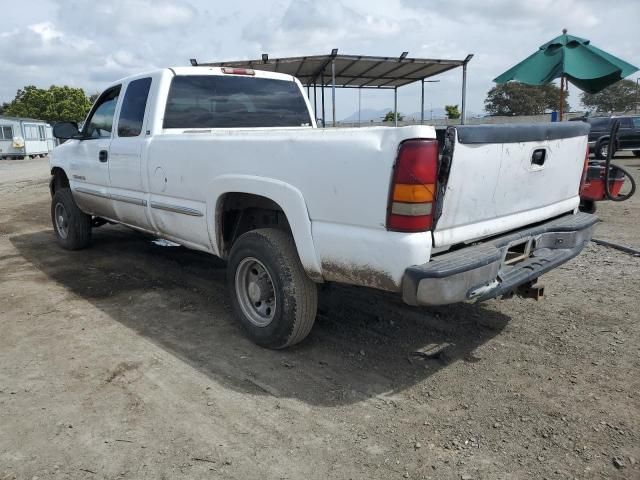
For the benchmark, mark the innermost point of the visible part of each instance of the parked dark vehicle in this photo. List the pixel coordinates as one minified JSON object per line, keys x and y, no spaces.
{"x":628,"y":135}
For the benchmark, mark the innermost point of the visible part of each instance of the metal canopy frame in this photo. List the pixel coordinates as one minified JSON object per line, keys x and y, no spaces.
{"x":355,"y":71}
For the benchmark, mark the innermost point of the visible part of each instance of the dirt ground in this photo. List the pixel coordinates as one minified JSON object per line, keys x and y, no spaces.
{"x":124,"y":361}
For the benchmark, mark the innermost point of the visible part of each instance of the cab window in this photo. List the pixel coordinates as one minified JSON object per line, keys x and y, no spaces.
{"x":100,"y":122}
{"x":133,"y":107}
{"x":217,"y":101}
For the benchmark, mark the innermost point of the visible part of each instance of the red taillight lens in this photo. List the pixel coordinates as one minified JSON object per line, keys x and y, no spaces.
{"x":413,"y":190}
{"x":238,"y":71}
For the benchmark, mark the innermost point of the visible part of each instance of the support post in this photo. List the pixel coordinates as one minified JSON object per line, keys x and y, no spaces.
{"x":422,"y":104}
{"x":333,"y":91}
{"x":315,"y":102}
{"x":322,"y":98}
{"x":395,"y":106}
{"x":359,"y":105}
{"x":463,"y":116}
{"x":561,"y":98}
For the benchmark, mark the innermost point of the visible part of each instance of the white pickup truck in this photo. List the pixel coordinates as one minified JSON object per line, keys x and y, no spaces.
{"x":229,"y":161}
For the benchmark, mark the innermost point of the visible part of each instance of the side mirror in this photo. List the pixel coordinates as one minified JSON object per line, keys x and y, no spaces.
{"x":66,"y":130}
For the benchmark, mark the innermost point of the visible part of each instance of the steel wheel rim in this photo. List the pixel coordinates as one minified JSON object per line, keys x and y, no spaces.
{"x":255,"y":292}
{"x":61,"y":220}
{"x":604,"y":150}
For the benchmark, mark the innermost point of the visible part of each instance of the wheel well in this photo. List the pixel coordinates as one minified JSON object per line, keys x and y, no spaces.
{"x":240,"y":213}
{"x":58,"y":180}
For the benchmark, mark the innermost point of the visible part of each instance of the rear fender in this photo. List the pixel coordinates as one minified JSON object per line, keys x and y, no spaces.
{"x":288,"y":197}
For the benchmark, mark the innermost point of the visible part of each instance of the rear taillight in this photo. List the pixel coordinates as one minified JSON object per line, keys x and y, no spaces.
{"x":413,"y":189}
{"x":238,"y":71}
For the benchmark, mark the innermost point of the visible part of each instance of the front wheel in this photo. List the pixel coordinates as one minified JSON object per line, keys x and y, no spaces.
{"x":71,"y":225}
{"x":272,"y":296}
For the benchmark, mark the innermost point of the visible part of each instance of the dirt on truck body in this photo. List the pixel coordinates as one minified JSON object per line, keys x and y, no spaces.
{"x":124,"y":361}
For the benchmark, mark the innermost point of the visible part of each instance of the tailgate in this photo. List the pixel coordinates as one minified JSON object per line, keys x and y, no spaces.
{"x":503,"y":177}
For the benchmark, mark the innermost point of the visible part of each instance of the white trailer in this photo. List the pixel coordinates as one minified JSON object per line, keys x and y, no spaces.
{"x":22,"y":137}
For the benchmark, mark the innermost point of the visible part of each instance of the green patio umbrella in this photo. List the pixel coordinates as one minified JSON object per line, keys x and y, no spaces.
{"x":571,"y":58}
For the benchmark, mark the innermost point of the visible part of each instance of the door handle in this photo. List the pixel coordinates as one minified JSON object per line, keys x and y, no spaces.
{"x":538,"y":157}
{"x":103,"y":156}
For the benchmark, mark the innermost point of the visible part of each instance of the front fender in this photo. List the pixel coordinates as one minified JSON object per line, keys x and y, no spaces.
{"x":288,"y":197}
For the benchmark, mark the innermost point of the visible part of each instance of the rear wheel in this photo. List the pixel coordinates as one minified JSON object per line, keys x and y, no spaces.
{"x":274,"y":299}
{"x":71,"y":225}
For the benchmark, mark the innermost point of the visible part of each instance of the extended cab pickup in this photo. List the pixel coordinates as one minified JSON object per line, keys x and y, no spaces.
{"x":230,"y":162}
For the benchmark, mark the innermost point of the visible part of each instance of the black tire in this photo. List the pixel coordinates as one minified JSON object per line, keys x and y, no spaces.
{"x":73,"y":229}
{"x":601,"y":149}
{"x":293,"y":294}
{"x":636,"y":153}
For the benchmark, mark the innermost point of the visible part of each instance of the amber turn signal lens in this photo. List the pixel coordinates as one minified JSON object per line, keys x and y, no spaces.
{"x":403,"y":192}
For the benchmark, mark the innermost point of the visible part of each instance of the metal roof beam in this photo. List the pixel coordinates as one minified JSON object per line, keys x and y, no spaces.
{"x":406,"y":76}
{"x":324,"y":65}
{"x":300,"y":66}
{"x":403,"y":64}
{"x":296,"y":65}
{"x":351,"y":64}
{"x":365,"y":72}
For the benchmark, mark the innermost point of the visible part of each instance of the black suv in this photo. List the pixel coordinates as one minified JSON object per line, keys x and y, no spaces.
{"x":628,"y":135}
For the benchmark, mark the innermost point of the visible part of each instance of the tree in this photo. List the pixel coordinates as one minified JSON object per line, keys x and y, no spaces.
{"x":452,"y":111}
{"x":93,"y":97}
{"x":389,"y":117}
{"x":516,"y":98}
{"x":56,"y":104}
{"x":619,"y":97}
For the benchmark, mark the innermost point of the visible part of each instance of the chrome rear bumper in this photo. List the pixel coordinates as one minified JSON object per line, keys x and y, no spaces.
{"x":498,"y":266}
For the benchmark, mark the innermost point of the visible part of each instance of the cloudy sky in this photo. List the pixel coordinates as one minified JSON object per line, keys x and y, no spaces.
{"x":88,"y":43}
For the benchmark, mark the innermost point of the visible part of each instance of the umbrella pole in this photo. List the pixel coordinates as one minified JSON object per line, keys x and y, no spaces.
{"x":561,"y":96}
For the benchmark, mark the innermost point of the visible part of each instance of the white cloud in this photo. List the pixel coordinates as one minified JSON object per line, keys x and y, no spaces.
{"x":46,"y":30}
{"x":89,"y":44}
{"x":308,"y":26}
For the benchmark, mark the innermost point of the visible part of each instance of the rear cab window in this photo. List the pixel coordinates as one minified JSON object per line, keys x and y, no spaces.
{"x":218,"y":101}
